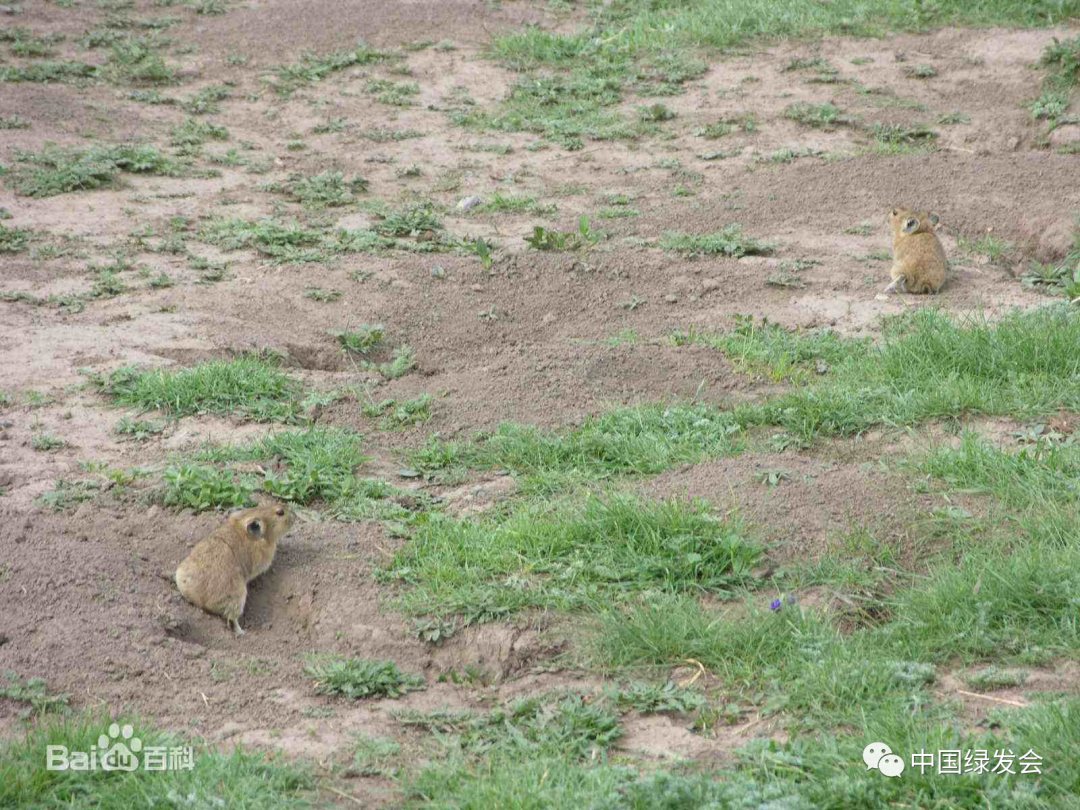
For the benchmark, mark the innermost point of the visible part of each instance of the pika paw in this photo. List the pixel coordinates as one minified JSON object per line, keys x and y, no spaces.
{"x":918,"y":257}
{"x":215,"y":575}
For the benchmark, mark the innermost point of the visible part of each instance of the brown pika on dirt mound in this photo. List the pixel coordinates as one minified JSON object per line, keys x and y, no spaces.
{"x":214,"y":576}
{"x":918,"y":257}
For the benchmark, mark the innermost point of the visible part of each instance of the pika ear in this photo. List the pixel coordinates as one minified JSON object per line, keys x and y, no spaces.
{"x":911,"y":225}
{"x":895,"y":211}
{"x":255,"y":528}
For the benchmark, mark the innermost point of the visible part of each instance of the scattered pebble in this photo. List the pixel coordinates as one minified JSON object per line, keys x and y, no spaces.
{"x":465,"y":203}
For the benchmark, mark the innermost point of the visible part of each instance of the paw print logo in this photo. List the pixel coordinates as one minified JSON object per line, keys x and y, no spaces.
{"x":121,"y":756}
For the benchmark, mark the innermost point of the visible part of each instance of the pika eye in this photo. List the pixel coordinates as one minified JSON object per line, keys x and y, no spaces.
{"x":911,"y":223}
{"x":280,"y":511}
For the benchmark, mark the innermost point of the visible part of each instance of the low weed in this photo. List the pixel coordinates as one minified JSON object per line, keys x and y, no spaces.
{"x":325,"y":190}
{"x":546,"y":239}
{"x":728,"y":242}
{"x":59,"y":171}
{"x":358,"y":678}
{"x":362,"y":339}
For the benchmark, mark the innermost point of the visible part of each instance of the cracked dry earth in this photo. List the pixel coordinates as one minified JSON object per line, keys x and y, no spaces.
{"x":86,"y":599}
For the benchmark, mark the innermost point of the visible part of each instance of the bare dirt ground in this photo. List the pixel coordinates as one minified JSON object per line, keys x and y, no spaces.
{"x":86,"y":599}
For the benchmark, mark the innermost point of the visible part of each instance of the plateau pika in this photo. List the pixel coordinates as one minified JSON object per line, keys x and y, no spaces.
{"x":214,"y":576}
{"x":918,"y":258}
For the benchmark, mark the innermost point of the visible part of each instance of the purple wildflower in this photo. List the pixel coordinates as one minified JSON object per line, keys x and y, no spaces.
{"x":776,"y":604}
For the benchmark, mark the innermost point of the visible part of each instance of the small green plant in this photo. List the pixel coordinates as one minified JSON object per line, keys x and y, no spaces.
{"x":209,"y":7}
{"x":788,"y":154}
{"x":1051,"y":104}
{"x":362,"y":339}
{"x":331,"y":125}
{"x":390,"y":135}
{"x":357,"y":678}
{"x":375,"y":756}
{"x":393,"y":93}
{"x":58,"y":171}
{"x":68,"y":494}
{"x":136,"y":61}
{"x":401,"y":363}
{"x":401,"y":414}
{"x":725,"y":126}
{"x":200,"y":487}
{"x":482,"y":248}
{"x":411,"y":221}
{"x":655,"y":112}
{"x":900,"y":134}
{"x":728,"y":242}
{"x":651,"y":697}
{"x":107,"y":282}
{"x":819,"y":116}
{"x":194,"y":132}
{"x":546,"y":239}
{"x":34,"y":692}
{"x":138,"y":430}
{"x":205,"y":101}
{"x":48,"y":72}
{"x":13,"y":122}
{"x":162,"y":281}
{"x":46,"y":443}
{"x":1055,"y":280}
{"x":325,"y":190}
{"x":991,"y":678}
{"x":954,"y":118}
{"x":314,"y":68}
{"x":920,"y":72}
{"x":321,"y":295}
{"x":13,"y":240}
{"x":434,"y":631}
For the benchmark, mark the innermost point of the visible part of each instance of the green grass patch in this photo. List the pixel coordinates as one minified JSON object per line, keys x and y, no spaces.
{"x":569,"y":555}
{"x":59,"y":171}
{"x":811,"y":771}
{"x":238,"y":779}
{"x":930,"y":366}
{"x":642,"y":440}
{"x":248,"y":386}
{"x":316,"y":466}
{"x":758,"y":347}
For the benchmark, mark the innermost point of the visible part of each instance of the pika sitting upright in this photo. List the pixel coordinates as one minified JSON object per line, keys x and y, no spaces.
{"x":918,"y":257}
{"x":214,"y":576}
